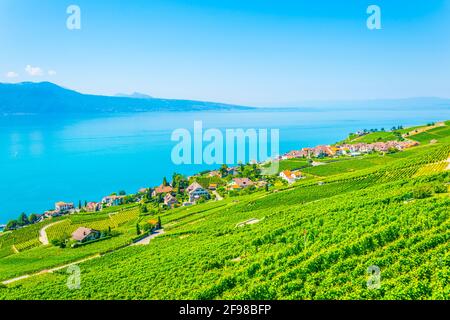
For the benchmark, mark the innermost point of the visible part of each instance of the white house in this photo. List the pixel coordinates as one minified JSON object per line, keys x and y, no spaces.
{"x":170,"y":200}
{"x":291,"y":176}
{"x":63,"y":206}
{"x":196,"y":191}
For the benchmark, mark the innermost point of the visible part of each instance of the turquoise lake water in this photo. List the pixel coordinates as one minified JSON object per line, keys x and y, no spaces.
{"x":44,"y":160}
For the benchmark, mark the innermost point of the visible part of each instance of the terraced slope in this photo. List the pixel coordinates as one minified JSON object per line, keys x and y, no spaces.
{"x":310,"y":240}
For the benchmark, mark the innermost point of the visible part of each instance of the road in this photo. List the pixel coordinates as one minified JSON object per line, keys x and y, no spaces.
{"x":218,"y":196}
{"x":43,"y":234}
{"x":146,"y":240}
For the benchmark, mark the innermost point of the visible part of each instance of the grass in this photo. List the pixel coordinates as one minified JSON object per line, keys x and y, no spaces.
{"x":313,"y":241}
{"x":292,"y":164}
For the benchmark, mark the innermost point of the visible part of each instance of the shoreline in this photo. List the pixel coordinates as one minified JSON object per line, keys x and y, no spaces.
{"x":212,"y":169}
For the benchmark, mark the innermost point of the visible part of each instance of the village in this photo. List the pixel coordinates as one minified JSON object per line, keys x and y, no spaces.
{"x":212,"y":185}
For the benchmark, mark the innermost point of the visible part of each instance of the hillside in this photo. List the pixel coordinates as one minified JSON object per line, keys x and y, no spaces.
{"x":314,"y":239}
{"x":48,"y":99}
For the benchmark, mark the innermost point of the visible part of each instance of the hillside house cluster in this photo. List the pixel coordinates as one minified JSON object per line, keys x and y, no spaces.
{"x":348,"y":149}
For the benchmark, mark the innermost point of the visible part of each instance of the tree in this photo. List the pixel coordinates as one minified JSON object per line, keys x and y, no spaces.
{"x":144,"y":209}
{"x":159,"y":225}
{"x":122,"y":193}
{"x":138,"y":229}
{"x":164,"y":183}
{"x":33,"y":218}
{"x":79,"y":204}
{"x":11,"y":225}
{"x":23,"y":219}
{"x":223,"y":170}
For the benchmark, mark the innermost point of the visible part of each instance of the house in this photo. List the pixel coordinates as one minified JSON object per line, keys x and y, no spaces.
{"x":261,"y":184}
{"x":112,"y":200}
{"x":143,"y":190}
{"x":52,"y":214}
{"x":161,"y":190}
{"x":83,"y":234}
{"x":196,"y":191}
{"x":193,"y":186}
{"x":212,"y":186}
{"x":240,"y":183}
{"x":170,"y":200}
{"x":290,"y":176}
{"x":93,"y":206}
{"x":232,"y":171}
{"x":63,"y":206}
{"x":215,"y":173}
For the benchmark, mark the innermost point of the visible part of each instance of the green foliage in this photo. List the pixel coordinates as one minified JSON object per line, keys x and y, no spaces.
{"x":309,"y":240}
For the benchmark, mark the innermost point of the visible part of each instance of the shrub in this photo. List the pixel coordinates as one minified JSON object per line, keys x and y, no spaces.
{"x":422,"y":192}
{"x":439,"y":188}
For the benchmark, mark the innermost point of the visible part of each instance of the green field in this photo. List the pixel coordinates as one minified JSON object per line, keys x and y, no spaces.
{"x":314,"y":239}
{"x":441,"y":134}
{"x":292,"y":164}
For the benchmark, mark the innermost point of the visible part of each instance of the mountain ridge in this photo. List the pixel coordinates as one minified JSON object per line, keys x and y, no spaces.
{"x":50,"y":98}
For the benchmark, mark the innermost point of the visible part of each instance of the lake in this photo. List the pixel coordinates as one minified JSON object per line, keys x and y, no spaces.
{"x":44,"y":160}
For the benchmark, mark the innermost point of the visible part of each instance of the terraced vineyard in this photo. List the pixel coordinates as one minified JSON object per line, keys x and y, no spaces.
{"x":315,"y":239}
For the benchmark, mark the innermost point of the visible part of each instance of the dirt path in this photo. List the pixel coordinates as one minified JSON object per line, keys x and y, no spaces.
{"x":49,"y":270}
{"x":424,"y":129}
{"x":146,"y":240}
{"x":218,"y":196}
{"x":43,"y":234}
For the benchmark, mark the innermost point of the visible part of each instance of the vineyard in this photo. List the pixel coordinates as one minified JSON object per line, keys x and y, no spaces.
{"x":314,"y":239}
{"x":99,"y":222}
{"x":21,"y":251}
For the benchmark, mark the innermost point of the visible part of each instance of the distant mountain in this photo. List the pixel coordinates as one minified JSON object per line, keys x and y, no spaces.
{"x":135,"y":95}
{"x":49,"y":98}
{"x":417,"y":103}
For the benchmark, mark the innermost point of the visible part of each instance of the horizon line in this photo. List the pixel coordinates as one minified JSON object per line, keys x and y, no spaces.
{"x":253,"y":105}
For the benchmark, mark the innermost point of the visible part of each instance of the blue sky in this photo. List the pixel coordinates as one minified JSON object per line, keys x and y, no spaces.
{"x":253,"y":52}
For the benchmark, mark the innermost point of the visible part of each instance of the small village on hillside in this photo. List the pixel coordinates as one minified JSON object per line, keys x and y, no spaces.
{"x":213,"y":185}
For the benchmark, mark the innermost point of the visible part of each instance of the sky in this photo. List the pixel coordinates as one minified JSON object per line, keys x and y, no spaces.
{"x":249,"y":52}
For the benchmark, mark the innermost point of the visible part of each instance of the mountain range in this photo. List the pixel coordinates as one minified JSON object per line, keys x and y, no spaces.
{"x":49,"y":98}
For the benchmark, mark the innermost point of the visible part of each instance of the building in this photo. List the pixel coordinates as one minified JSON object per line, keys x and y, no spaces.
{"x":170,"y":200}
{"x":83,"y":234}
{"x":143,"y":190}
{"x":290,"y":176}
{"x":212,"y":186}
{"x":240,"y":183}
{"x":215,"y":173}
{"x":93,"y":206}
{"x":63,"y":206}
{"x":112,"y":200}
{"x":196,"y":191}
{"x":193,"y":186}
{"x":161,"y":190}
